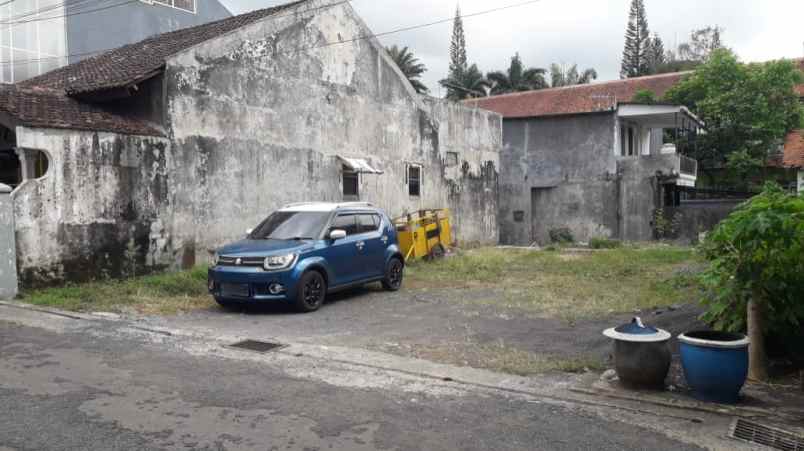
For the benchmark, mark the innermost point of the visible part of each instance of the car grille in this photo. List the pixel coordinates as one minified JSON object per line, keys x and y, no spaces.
{"x":244,"y":261}
{"x":239,"y":290}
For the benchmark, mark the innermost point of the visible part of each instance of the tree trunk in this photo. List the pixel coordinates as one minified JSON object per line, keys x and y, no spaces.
{"x":757,"y":360}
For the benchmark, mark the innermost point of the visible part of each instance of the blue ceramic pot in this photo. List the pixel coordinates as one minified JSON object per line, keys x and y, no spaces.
{"x":715,"y":364}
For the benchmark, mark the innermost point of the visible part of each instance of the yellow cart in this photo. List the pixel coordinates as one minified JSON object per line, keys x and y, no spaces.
{"x":424,"y":234}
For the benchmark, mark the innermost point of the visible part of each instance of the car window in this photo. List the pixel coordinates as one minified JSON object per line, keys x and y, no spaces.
{"x":290,"y":225}
{"x":368,"y":223}
{"x":346,"y":223}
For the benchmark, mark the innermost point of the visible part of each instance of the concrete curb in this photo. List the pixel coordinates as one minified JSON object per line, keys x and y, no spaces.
{"x":550,"y":389}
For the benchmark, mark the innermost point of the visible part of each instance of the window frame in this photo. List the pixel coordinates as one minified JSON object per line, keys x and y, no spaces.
{"x":419,"y":179}
{"x":172,"y":4}
{"x":629,"y":141}
{"x":344,"y":171}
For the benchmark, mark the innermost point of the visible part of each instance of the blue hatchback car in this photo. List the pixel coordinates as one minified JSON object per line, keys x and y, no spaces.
{"x":302,"y":252}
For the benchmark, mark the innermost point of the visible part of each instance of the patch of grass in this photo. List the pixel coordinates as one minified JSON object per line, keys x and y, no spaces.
{"x":568,"y":284}
{"x":165,"y":294}
{"x":498,"y":356}
{"x":604,"y":243}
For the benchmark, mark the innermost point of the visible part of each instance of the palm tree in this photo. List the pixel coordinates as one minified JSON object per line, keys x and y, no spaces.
{"x":466,"y":85}
{"x":561,"y":77}
{"x":517,"y":78}
{"x":410,"y":66}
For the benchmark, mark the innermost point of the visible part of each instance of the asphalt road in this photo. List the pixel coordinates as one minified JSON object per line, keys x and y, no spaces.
{"x":96,"y":389}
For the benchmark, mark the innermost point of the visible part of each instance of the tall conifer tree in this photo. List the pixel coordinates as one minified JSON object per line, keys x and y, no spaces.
{"x":458,"y":62}
{"x":637,"y":43}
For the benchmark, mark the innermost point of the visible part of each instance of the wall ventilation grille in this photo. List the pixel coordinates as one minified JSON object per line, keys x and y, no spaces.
{"x":774,"y":438}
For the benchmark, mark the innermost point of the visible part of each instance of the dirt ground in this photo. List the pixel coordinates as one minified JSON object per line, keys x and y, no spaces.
{"x":439,"y":325}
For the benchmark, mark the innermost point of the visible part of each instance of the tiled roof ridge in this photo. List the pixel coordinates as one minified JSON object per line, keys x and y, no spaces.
{"x":588,"y":85}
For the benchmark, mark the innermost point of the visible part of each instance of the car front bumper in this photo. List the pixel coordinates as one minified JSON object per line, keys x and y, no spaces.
{"x":249,"y":285}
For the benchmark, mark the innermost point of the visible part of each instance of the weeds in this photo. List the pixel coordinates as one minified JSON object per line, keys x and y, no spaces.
{"x":565,"y":284}
{"x":168,"y":293}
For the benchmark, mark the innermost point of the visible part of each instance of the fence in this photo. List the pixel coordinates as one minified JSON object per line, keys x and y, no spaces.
{"x":8,"y":249}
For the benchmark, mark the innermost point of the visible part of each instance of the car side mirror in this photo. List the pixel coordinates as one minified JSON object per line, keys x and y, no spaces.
{"x":337,"y":234}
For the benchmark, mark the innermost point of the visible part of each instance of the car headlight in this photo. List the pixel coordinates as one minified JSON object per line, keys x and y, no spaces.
{"x":215,"y":259}
{"x":278,"y":262}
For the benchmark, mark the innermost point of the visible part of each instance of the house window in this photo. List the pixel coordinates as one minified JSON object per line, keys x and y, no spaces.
{"x":184,"y":5}
{"x":415,"y":180}
{"x":452,"y":159}
{"x":629,"y":145}
{"x":351,"y":183}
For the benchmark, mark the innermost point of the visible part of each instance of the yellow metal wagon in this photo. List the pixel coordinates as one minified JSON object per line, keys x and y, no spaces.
{"x":424,"y":234}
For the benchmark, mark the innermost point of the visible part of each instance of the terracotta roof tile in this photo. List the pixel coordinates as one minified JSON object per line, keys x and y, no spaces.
{"x":48,"y":108}
{"x":576,"y":99}
{"x":794,"y":149}
{"x":134,"y":62}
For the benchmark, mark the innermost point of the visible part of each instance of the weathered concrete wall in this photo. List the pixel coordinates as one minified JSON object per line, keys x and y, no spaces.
{"x":103,"y":194}
{"x":256,"y":124}
{"x":565,"y":171}
{"x":699,"y":216}
{"x":8,"y":254}
{"x":253,"y":124}
{"x":558,"y":172}
{"x":640,"y":193}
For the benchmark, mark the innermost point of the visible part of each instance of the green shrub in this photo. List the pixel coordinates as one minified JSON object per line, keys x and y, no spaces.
{"x":561,"y":235}
{"x":604,"y":243}
{"x":758,"y":253}
{"x":645,"y":96}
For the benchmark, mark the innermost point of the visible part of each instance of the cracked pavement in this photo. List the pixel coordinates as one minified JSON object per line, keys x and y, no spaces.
{"x":75,"y":384}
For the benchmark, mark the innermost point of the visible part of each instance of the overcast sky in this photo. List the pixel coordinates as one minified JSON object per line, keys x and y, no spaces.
{"x":587,"y":32}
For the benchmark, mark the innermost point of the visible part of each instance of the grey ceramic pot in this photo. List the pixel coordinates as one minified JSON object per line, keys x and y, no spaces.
{"x":641,"y":354}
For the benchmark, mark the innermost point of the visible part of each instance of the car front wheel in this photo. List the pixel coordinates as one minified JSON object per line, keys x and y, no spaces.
{"x":393,"y":275}
{"x":311,"y":293}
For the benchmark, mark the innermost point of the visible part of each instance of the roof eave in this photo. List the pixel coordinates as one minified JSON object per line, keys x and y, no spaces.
{"x":113,"y":91}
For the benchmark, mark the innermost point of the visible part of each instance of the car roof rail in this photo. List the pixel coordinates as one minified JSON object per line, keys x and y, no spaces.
{"x":355,"y":204}
{"x":300,"y":204}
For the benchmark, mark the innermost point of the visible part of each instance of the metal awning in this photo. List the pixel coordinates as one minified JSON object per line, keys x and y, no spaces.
{"x":359,"y":165}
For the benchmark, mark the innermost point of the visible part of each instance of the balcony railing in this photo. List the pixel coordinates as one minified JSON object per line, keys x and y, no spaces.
{"x":688,"y":166}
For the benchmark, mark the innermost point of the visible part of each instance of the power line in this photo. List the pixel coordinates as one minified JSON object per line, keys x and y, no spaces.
{"x":327,"y":44}
{"x":274,"y":17}
{"x":70,"y":14}
{"x":65,"y":4}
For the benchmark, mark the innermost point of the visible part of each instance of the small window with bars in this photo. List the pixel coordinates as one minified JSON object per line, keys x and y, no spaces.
{"x":415,"y":180}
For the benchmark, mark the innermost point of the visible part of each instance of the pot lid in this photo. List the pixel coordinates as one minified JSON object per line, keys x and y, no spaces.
{"x":636,"y":331}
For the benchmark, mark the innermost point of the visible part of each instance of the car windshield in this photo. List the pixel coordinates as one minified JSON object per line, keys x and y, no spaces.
{"x":291,"y":225}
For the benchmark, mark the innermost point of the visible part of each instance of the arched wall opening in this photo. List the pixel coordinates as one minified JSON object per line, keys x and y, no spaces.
{"x":19,"y":164}
{"x":10,"y":166}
